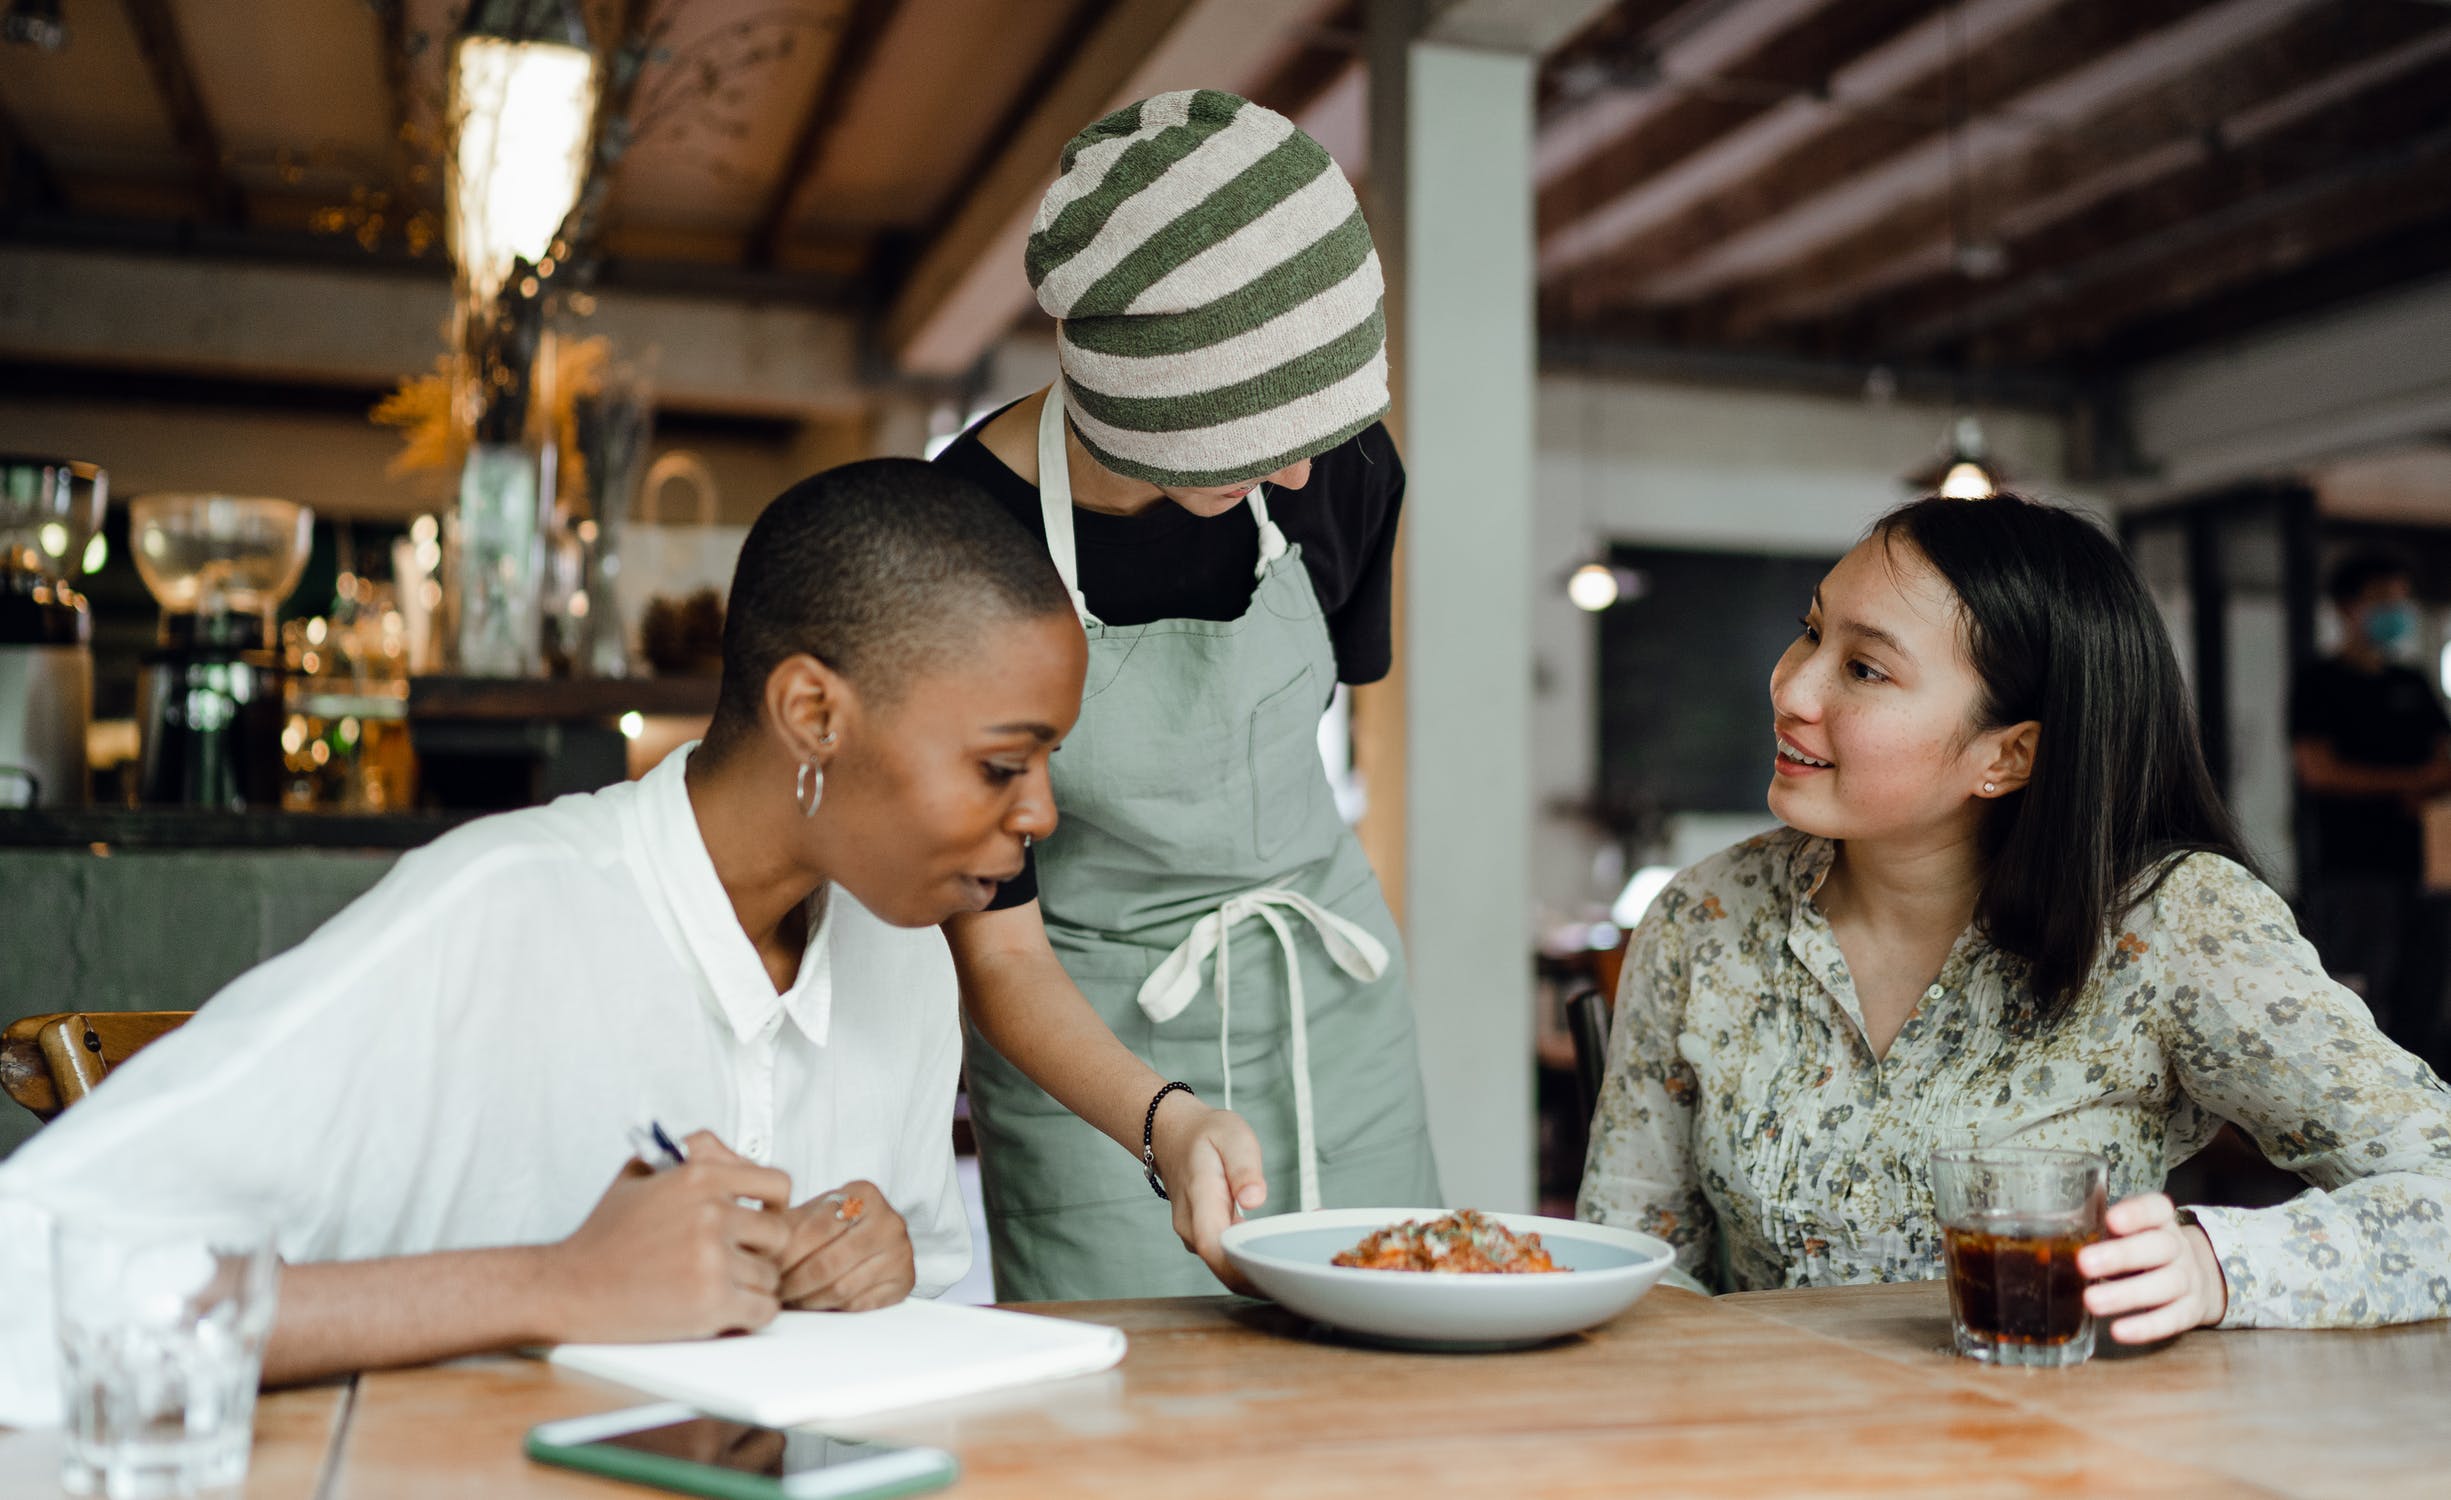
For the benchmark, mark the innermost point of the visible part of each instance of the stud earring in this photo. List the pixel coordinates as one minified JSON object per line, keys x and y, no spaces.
{"x":1989,"y":787}
{"x":1025,"y":843}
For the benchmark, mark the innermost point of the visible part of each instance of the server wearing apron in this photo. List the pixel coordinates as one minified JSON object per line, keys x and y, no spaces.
{"x":1213,"y":483}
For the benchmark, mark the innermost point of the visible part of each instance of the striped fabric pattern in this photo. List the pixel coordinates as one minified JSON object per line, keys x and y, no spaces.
{"x":1219,"y":303}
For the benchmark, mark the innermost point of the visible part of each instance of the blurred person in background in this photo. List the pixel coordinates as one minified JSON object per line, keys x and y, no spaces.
{"x":2372,"y":747}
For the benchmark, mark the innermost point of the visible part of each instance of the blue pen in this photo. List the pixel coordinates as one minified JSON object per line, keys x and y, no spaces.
{"x":654,"y":1146}
{"x":658,"y":1150}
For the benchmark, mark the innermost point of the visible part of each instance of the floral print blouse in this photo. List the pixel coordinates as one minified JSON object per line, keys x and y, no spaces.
{"x":1746,"y":1121}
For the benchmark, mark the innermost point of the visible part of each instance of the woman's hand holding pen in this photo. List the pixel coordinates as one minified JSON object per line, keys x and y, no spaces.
{"x":849,"y":1252}
{"x":674,"y":1254}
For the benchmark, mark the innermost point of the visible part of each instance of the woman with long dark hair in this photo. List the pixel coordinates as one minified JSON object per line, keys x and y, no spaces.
{"x":2008,"y":906}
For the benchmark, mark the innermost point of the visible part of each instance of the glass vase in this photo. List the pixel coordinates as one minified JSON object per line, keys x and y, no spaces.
{"x":497,"y":551}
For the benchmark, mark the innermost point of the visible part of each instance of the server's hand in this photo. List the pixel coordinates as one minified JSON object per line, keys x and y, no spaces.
{"x":1210,"y":1162}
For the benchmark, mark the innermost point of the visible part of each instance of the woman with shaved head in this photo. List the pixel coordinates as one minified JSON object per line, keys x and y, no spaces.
{"x":430,"y":1100}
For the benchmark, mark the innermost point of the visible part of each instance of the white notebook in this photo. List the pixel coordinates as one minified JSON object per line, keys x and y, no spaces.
{"x":809,"y":1367}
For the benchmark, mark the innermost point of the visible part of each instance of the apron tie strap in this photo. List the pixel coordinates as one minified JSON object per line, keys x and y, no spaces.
{"x":1055,"y":500}
{"x":1177,"y":981}
{"x":1055,"y":507}
{"x":1272,"y":540}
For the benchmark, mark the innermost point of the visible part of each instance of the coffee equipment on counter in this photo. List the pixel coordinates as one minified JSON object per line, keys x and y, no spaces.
{"x":50,"y":509}
{"x":211,"y":697}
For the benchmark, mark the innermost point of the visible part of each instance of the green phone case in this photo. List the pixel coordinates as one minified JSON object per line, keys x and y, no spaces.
{"x":664,"y":1472}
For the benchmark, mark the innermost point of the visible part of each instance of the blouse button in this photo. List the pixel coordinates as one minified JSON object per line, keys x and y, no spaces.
{"x":1935,"y":992}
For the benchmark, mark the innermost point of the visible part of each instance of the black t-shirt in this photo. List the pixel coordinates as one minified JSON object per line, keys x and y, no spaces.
{"x":2385,"y":720}
{"x":1168,"y":564}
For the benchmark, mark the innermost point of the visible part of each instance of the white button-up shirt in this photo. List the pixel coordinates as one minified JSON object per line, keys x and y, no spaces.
{"x":454,"y":1062}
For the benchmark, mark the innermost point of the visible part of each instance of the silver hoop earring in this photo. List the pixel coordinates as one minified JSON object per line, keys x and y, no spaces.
{"x":1989,"y":787}
{"x":811,"y":789}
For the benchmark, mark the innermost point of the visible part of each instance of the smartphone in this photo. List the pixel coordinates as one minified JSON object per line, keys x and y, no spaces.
{"x":676,"y":1447}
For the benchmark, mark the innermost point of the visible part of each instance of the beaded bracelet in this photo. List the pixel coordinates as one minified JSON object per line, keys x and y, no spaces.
{"x":1148,"y":1137}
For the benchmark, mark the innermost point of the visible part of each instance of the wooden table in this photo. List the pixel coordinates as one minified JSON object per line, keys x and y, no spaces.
{"x":2362,"y":1412}
{"x":297,"y":1433}
{"x":1846,"y":1392}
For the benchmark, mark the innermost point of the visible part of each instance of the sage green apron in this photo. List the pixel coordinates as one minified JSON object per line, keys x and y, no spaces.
{"x":1194,"y":811}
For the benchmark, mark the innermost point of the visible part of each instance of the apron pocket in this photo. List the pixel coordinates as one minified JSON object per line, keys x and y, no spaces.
{"x":1187,"y":1048}
{"x":1110,"y":973}
{"x":1109,"y":976}
{"x":999,"y":1091}
{"x":1288,"y":780}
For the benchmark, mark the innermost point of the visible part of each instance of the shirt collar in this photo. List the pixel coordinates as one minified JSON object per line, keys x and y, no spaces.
{"x":1809,"y":867}
{"x":1808,"y":932}
{"x":1810,"y":939}
{"x":676,"y":869}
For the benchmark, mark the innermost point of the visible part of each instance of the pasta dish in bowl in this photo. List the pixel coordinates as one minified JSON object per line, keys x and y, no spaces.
{"x":1447,"y":1279}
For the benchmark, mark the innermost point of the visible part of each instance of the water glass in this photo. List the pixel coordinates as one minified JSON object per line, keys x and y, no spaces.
{"x":2012,"y":1222}
{"x":162,"y":1323}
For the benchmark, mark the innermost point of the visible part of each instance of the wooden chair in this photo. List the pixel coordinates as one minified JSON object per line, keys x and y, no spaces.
{"x":1589,"y":983}
{"x":1587,"y":1018}
{"x":50,"y":1062}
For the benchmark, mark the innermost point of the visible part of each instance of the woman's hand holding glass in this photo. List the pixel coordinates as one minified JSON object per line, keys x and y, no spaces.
{"x":2155,"y":1275}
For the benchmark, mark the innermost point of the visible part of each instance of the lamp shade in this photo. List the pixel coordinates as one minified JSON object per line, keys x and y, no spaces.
{"x":1967,"y":479}
{"x":1963,"y":469}
{"x":523,"y":100}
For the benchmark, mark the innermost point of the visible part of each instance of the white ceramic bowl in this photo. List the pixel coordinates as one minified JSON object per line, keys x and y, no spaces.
{"x":1289,"y":1258}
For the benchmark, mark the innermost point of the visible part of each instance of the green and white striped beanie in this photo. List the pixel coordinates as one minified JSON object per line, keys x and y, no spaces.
{"x":1219,"y":300}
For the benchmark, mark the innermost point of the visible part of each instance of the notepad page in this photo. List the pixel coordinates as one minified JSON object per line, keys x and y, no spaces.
{"x":829,"y":1367}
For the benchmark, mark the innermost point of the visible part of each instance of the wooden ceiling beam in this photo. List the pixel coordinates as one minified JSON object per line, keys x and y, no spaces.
{"x":1630,"y":65}
{"x":336,"y":324}
{"x":2411,"y":253}
{"x":1060,"y":54}
{"x":2057,"y":64}
{"x":952,"y":285}
{"x":174,"y":83}
{"x":1872,"y":106}
{"x":2154,"y":134}
{"x":2367,"y":199}
{"x":864,"y":24}
{"x":2244,"y":190}
{"x":2135,"y":50}
{"x":1324,"y":56}
{"x":1533,"y":26}
{"x":1642,"y":346}
{"x":27,"y":181}
{"x":967,"y":287}
{"x":1707,"y":129}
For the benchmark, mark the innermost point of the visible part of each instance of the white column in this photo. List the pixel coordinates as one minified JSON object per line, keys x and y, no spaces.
{"x":1451,"y":180}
